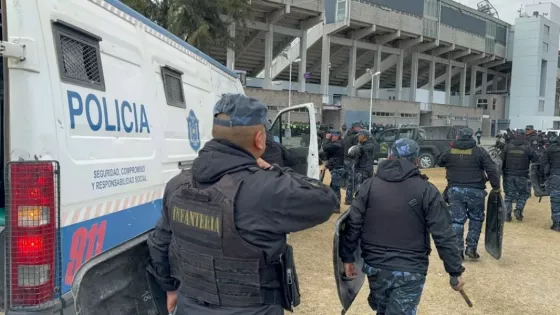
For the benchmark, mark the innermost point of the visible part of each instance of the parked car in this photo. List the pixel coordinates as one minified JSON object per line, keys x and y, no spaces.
{"x":432,"y":140}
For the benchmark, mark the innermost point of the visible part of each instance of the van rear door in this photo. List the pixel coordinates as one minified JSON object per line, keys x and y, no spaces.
{"x":295,"y":128}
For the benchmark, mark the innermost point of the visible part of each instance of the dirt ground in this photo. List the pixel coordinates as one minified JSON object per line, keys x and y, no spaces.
{"x":524,"y":281}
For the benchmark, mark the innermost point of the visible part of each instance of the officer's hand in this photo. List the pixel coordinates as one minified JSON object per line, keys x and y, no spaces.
{"x":263,"y":164}
{"x":350,"y":270}
{"x":328,"y":136}
{"x":459,"y":285}
{"x":497,"y":190}
{"x":171,"y":301}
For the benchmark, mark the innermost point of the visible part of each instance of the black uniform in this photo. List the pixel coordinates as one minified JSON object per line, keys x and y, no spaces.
{"x":468,"y":167}
{"x":334,"y":152}
{"x":393,"y":215}
{"x":551,"y":168}
{"x":276,"y":153}
{"x":223,"y":229}
{"x":516,"y":158}
{"x":365,"y":161}
{"x":349,"y":140}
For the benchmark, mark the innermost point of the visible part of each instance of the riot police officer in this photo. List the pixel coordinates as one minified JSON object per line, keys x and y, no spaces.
{"x":220,"y":245}
{"x":516,"y":158}
{"x":535,"y":142}
{"x":276,"y":153}
{"x":550,"y":163}
{"x":392,"y":218}
{"x":468,"y":167}
{"x":362,"y":159}
{"x":334,"y":151}
{"x":350,"y":140}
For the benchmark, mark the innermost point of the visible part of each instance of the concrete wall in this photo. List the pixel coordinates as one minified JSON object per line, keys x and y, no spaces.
{"x":457,"y":116}
{"x":385,"y":111}
{"x":496,"y":105}
{"x":278,"y":100}
{"x":422,"y":95}
{"x":309,"y":87}
{"x":399,"y":112}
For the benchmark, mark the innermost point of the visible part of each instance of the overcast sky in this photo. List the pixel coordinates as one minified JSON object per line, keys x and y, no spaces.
{"x":507,"y":9}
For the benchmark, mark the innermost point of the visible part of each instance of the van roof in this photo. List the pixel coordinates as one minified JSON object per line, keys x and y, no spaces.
{"x":123,"y":7}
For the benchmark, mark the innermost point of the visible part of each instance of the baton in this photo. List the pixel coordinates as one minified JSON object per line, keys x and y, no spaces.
{"x":453,"y":281}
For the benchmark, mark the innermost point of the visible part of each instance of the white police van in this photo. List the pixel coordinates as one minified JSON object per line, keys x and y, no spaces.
{"x":100,"y":108}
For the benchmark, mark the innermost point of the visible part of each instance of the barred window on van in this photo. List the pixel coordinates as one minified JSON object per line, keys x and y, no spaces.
{"x":79,"y":59}
{"x":173,"y":86}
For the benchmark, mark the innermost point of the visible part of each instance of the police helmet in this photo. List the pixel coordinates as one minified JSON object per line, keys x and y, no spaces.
{"x":354,"y":152}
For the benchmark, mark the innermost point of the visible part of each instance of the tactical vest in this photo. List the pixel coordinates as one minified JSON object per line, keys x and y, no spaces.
{"x":214,"y":264}
{"x":517,"y":159}
{"x":463,"y":167}
{"x":401,"y":204}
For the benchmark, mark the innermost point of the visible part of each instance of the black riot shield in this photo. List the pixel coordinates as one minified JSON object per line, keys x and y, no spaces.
{"x":347,"y":288}
{"x":538,"y":181}
{"x":495,"y":218}
{"x":498,"y":163}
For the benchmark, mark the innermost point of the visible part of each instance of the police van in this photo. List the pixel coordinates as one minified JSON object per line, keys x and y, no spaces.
{"x":100,"y":109}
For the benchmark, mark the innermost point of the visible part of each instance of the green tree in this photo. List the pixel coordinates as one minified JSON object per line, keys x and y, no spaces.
{"x":198,"y":22}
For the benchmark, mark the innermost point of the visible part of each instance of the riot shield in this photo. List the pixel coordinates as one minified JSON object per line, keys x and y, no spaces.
{"x":347,"y":288}
{"x":495,"y":218}
{"x":538,"y":181}
{"x":498,"y":163}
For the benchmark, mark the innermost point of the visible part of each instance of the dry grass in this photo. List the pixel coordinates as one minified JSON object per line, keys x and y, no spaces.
{"x":524,"y":281}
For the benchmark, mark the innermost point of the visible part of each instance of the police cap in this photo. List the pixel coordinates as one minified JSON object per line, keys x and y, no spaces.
{"x":466,"y":133}
{"x":336,"y":133}
{"x":405,"y":148}
{"x":357,"y":124}
{"x":364,"y":133}
{"x":529,"y":127}
{"x":242,"y":110}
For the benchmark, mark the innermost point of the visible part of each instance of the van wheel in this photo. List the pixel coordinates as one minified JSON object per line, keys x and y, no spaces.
{"x":426,"y":160}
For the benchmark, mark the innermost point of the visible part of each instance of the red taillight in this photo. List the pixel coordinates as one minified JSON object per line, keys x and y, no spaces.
{"x":32,"y":210}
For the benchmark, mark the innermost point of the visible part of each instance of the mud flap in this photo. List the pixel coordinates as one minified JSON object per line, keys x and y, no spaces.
{"x":538,"y":180}
{"x":347,"y":288}
{"x":495,"y":218}
{"x":118,"y":284}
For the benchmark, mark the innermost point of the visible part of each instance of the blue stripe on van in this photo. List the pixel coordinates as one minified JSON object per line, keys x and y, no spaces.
{"x":120,"y":227}
{"x":145,"y":20}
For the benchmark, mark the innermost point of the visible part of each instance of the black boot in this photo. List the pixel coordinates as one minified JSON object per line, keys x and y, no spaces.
{"x":471,"y":253}
{"x":555,"y":226}
{"x":508,"y":217}
{"x":518,"y":215}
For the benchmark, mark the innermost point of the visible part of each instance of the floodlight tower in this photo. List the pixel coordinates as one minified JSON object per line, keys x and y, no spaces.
{"x":485,"y":6}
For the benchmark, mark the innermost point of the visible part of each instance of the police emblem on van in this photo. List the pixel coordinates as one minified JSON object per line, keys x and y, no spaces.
{"x":194,"y":131}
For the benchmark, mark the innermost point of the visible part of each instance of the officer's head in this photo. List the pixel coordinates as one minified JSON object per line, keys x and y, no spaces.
{"x":344,"y":127}
{"x":405,"y":149}
{"x":529,"y":129}
{"x":335,"y":135}
{"x":357,"y":126}
{"x":466,"y":133}
{"x":243,"y":121}
{"x":363,"y":136}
